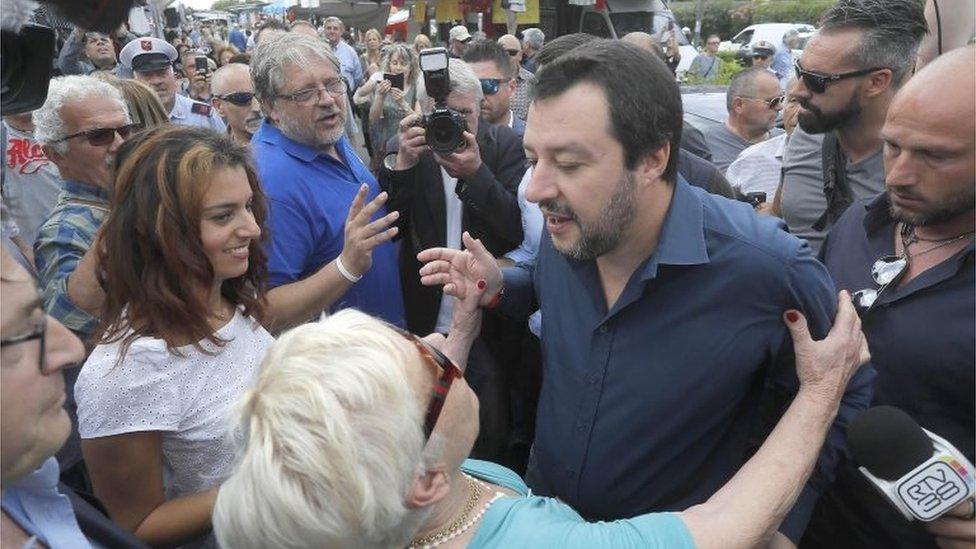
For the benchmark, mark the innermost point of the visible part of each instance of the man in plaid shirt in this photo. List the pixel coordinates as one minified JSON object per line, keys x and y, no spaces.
{"x":81,"y":126}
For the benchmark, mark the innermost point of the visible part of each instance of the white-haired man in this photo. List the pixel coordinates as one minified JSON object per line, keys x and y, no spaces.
{"x":311,"y":175}
{"x":80,"y":127}
{"x":532,"y":41}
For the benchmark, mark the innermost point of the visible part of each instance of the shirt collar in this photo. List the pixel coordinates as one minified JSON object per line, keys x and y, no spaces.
{"x":682,"y":240}
{"x":179,"y":108}
{"x":85,"y":191}
{"x":269,"y":133}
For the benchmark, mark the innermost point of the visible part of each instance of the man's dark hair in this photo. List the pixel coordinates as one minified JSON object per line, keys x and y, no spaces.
{"x":489,"y":50}
{"x":560,"y":46}
{"x":641,"y":93}
{"x":743,"y":84}
{"x":892,"y":31}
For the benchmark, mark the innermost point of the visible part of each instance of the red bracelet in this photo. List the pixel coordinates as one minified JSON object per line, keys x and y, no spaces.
{"x":496,"y":300}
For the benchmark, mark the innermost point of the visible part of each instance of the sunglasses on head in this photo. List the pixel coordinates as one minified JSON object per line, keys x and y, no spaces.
{"x":490,"y":86}
{"x":886,"y":271}
{"x":100,"y":137}
{"x":241,"y":99}
{"x":447,"y":373}
{"x":817,"y":83}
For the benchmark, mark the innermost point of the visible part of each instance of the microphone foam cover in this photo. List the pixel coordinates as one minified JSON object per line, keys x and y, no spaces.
{"x":888,"y":442}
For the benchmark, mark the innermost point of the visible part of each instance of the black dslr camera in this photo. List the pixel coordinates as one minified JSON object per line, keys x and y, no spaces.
{"x":445,"y":127}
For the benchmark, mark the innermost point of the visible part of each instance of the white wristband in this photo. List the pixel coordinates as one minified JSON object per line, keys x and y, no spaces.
{"x":345,"y":272}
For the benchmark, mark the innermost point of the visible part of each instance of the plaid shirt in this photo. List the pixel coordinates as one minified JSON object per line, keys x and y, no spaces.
{"x":61,"y":243}
{"x":520,"y":98}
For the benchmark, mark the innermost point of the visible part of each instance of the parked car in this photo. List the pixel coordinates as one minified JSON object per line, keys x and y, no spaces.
{"x":771,"y":32}
{"x":704,"y":105}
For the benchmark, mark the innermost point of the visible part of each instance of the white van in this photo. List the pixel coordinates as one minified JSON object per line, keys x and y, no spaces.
{"x":620,"y":17}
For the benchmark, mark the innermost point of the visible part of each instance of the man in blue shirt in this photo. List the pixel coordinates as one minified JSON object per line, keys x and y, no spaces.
{"x":322,"y":254}
{"x":665,"y":356}
{"x":237,"y":38}
{"x":783,"y":58}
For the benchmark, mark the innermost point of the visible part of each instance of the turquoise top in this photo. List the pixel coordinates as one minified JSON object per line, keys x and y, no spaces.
{"x":533,"y":521}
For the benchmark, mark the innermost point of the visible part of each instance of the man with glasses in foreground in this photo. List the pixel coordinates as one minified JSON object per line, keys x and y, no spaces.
{"x":312,"y":175}
{"x":753,"y":101}
{"x":849,"y":71}
{"x":907,"y":256}
{"x":233,"y":97}
{"x":37,"y":350}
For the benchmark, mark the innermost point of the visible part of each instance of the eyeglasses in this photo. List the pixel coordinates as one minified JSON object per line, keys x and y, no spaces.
{"x":773,"y":102}
{"x":99,"y":137}
{"x":241,"y":99}
{"x":39,"y":331}
{"x":336,"y":88}
{"x":513,"y":53}
{"x":490,"y":86}
{"x":886,"y":271}
{"x":817,"y":83}
{"x":448,"y":372}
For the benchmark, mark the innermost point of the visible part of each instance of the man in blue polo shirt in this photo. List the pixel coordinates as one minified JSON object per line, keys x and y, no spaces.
{"x":327,"y":250}
{"x":665,"y":354}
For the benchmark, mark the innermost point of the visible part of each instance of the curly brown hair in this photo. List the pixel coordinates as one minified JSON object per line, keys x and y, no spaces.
{"x":152,"y":265}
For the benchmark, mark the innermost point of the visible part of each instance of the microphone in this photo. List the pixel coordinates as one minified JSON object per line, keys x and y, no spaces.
{"x":919,"y":473}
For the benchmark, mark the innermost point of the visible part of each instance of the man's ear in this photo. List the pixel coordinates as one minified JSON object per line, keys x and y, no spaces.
{"x":428,"y":488}
{"x":651,"y":169}
{"x":879,"y":82}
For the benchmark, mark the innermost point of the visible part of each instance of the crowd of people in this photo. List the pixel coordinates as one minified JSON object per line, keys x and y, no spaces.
{"x":218,"y":251}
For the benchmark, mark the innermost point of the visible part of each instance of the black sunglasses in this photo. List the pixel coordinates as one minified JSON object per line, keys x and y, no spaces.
{"x":100,"y":137}
{"x":886,"y":271}
{"x":39,"y":332}
{"x":513,"y":53}
{"x":447,"y":373}
{"x":490,"y":86}
{"x":241,"y":99}
{"x":817,"y":83}
{"x":773,"y":102}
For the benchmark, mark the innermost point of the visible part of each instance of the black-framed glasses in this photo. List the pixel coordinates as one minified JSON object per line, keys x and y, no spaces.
{"x":39,"y":332}
{"x":817,"y":83}
{"x":99,"y":137}
{"x":335,"y":88}
{"x":773,"y":102}
{"x":490,"y":86}
{"x":886,"y":271}
{"x":447,"y":373}
{"x":241,"y":99}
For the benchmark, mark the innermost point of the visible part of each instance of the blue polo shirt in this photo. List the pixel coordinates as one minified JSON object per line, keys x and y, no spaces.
{"x":923,"y":346}
{"x":309,"y":194}
{"x":652,"y":405}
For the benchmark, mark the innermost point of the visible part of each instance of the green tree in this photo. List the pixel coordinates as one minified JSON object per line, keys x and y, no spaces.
{"x":224,"y":4}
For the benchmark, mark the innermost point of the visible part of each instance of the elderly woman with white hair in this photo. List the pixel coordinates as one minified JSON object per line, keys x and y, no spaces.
{"x":357,"y":435}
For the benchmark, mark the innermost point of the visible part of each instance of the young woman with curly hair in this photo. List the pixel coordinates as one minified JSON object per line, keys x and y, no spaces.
{"x":181,"y":263}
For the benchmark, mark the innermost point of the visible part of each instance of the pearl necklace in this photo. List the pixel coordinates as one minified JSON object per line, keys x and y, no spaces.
{"x":459,"y":526}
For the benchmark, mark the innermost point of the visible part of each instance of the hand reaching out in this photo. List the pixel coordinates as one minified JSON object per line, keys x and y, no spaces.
{"x":362,"y":234}
{"x":463,"y":273}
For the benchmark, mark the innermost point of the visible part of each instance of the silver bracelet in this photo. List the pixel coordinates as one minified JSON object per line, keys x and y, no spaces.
{"x":345,"y":272}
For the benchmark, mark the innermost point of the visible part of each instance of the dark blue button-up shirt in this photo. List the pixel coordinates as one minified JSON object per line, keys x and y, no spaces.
{"x":650,"y":406}
{"x":923,"y":347}
{"x":309,"y":194}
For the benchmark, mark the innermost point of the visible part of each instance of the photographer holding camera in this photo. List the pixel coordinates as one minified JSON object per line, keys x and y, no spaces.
{"x":449,"y":172}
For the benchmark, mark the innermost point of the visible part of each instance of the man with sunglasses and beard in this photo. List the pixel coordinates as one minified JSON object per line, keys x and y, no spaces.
{"x":234,"y":99}
{"x":918,"y":310}
{"x":753,"y":101}
{"x":848,"y":73}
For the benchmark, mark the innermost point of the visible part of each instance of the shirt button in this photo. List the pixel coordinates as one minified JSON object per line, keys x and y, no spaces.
{"x":581,"y":428}
{"x":603,"y":328}
{"x":594,"y":380}
{"x":571,"y":473}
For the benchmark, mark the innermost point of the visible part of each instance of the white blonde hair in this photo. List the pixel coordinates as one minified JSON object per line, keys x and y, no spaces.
{"x":331,"y":442}
{"x":48,"y":124}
